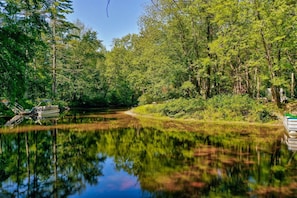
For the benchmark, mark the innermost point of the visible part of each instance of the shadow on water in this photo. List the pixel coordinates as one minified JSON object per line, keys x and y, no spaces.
{"x":83,"y":151}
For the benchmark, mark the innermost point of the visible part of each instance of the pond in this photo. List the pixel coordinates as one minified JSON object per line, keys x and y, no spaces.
{"x":112,"y":154}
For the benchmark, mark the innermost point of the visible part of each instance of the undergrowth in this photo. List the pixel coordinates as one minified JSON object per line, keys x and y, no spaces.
{"x":221,"y":108}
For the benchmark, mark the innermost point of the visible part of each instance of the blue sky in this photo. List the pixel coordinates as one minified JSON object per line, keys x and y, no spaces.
{"x":122,"y":17}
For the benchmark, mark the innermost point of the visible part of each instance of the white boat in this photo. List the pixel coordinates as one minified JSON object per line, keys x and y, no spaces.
{"x":290,"y":123}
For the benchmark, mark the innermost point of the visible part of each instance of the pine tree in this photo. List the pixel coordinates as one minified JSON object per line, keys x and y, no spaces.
{"x":59,"y":25}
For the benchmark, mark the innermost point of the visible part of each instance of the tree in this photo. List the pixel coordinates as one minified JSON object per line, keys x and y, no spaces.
{"x":22,"y":23}
{"x":59,"y":25}
{"x":223,"y":45}
{"x":274,"y":23}
{"x":185,"y":34}
{"x":119,"y":64}
{"x":81,"y":79}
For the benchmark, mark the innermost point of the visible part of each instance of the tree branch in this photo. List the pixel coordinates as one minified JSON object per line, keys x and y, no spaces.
{"x":107,"y":5}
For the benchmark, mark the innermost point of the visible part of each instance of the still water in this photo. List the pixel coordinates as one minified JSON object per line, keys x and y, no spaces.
{"x":112,"y":154}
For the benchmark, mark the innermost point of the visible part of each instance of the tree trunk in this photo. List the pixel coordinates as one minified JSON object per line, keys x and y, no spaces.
{"x":55,"y":162}
{"x":268,"y":57}
{"x":292,"y":85}
{"x":1,"y":144}
{"x":28,"y":163}
{"x":276,"y":95}
{"x":209,"y":39}
{"x":54,"y":61}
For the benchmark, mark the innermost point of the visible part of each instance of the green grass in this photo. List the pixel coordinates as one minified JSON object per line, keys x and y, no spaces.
{"x":218,"y":108}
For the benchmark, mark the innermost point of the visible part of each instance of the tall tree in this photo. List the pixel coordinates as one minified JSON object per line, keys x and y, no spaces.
{"x":275,"y":24}
{"x":119,"y":64}
{"x":81,"y":79}
{"x":240,"y":47}
{"x":59,"y":25}
{"x":22,"y":23}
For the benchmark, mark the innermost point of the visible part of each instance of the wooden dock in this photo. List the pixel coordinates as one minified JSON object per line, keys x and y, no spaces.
{"x":37,"y":113}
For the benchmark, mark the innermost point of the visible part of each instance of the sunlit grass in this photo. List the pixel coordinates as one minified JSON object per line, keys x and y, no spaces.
{"x":225,"y":108}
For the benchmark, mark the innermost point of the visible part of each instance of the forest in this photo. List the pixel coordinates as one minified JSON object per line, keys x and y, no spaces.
{"x":184,"y":49}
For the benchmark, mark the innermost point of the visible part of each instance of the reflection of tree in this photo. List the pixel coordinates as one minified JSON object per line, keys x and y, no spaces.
{"x":198,"y":164}
{"x":83,"y":164}
{"x":54,"y":160}
{"x":58,"y":163}
{"x":47,"y":164}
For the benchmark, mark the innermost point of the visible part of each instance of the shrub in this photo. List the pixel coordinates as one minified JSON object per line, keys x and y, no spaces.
{"x":221,"y":107}
{"x":145,"y":99}
{"x":182,"y":107}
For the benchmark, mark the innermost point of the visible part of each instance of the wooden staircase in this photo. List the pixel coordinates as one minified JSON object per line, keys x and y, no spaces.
{"x":15,"y":107}
{"x":16,"y":120}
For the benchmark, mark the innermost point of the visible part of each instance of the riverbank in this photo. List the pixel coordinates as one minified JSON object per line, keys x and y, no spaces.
{"x":221,"y":109}
{"x":152,"y":117}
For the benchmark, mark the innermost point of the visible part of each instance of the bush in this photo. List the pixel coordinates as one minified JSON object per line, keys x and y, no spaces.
{"x":145,"y":99}
{"x":222,"y":107}
{"x":229,"y":107}
{"x":182,"y":107}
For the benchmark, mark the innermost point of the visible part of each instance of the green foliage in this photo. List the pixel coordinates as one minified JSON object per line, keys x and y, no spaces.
{"x":80,"y":80}
{"x":237,"y":108}
{"x":279,"y":172}
{"x":218,"y":108}
{"x":20,"y":39}
{"x":224,"y":47}
{"x":188,"y":89}
{"x":183,"y":107}
{"x":145,"y":99}
{"x":187,"y":49}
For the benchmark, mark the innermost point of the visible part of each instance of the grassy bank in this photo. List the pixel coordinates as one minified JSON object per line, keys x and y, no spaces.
{"x":219,"y":108}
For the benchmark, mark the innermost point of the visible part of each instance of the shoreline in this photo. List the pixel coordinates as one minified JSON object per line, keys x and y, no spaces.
{"x":278,"y":123}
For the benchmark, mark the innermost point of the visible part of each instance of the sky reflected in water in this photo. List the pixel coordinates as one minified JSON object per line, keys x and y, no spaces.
{"x":113,"y":183}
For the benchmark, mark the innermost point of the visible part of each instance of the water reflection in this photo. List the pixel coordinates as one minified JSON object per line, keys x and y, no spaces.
{"x":42,"y":164}
{"x":37,"y":119}
{"x":114,"y":183}
{"x":117,"y":155}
